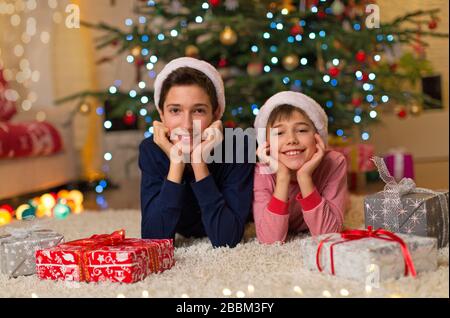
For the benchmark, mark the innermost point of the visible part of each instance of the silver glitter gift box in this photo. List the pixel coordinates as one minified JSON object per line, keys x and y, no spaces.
{"x":18,"y":248}
{"x":420,"y":214}
{"x":368,"y":260}
{"x":404,"y":208}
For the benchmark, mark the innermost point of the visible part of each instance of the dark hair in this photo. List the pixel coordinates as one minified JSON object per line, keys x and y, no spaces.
{"x":189,"y":76}
{"x":284,"y":112}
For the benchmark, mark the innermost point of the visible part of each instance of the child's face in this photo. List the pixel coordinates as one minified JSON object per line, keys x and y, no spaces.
{"x":183,"y":105}
{"x":295,"y":140}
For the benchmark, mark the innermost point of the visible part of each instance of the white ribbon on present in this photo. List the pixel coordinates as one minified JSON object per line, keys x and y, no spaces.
{"x":394,"y":190}
{"x":399,"y":162}
{"x":23,"y":232}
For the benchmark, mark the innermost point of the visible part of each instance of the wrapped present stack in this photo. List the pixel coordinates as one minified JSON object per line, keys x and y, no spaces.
{"x":17,"y":249}
{"x":404,"y":208}
{"x":358,"y":155}
{"x":369,"y":256}
{"x":359,"y":163}
{"x":104,"y":257}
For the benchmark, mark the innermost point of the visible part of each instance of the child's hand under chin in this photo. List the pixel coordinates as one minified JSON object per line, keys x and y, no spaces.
{"x":273,"y":165}
{"x":309,"y":166}
{"x":211,"y":137}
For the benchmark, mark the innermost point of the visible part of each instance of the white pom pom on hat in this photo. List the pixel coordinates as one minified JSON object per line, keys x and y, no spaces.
{"x":202,"y":66}
{"x":314,"y":111}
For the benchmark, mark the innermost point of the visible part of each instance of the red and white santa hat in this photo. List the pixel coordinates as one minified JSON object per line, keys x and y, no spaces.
{"x":314,"y":111}
{"x":202,"y":66}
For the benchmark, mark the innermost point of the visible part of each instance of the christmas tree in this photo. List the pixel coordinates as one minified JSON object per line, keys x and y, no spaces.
{"x":335,"y":51}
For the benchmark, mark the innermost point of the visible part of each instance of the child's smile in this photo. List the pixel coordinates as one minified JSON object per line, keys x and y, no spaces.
{"x":293,"y":152}
{"x":187,"y":113}
{"x":295,"y":138}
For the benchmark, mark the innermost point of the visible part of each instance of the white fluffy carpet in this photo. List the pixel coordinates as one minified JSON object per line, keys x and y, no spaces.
{"x":249,"y":270}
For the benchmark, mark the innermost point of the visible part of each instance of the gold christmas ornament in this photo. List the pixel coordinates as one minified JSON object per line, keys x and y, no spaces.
{"x":416,"y":109}
{"x":290,"y":62}
{"x":287,"y":4}
{"x":84,"y":108}
{"x":191,"y":51}
{"x":337,"y":7}
{"x":228,"y":36}
{"x":337,"y":44}
{"x":400,"y":111}
{"x":136,"y":51}
{"x":255,"y":68}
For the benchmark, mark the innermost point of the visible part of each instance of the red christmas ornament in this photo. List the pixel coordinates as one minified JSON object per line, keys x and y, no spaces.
{"x":360,"y":56}
{"x":365,"y":77}
{"x":393,"y":67}
{"x":222,"y":62}
{"x":8,"y":208}
{"x":356,"y":101}
{"x":334,"y":71}
{"x":54,"y":195}
{"x":321,"y":14}
{"x":310,"y":3}
{"x":432,"y":24}
{"x":139,"y":61}
{"x":402,"y":113}
{"x":214,"y":3}
{"x":115,"y":42}
{"x":129,"y":118}
{"x":230,"y":124}
{"x":296,"y":29}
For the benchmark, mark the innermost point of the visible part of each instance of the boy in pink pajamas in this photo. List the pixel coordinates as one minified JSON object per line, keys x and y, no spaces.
{"x":299,"y":185}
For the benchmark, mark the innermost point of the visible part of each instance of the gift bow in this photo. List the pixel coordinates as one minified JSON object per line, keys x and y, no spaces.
{"x":100,"y":239}
{"x":25,"y":232}
{"x":393,"y":191}
{"x":353,"y":235}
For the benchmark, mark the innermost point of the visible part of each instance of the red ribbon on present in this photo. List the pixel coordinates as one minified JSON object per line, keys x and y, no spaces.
{"x":99,"y":239}
{"x":353,"y":235}
{"x":93,"y":242}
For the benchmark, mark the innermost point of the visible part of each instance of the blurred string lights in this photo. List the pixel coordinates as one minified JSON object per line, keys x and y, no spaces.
{"x":17,"y":69}
{"x":17,"y":46}
{"x":142,"y":56}
{"x":293,"y":47}
{"x":279,"y":52}
{"x":303,"y":32}
{"x":57,"y":205}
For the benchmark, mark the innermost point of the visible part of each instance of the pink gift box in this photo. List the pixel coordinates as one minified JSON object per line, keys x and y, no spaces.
{"x":400,"y":165}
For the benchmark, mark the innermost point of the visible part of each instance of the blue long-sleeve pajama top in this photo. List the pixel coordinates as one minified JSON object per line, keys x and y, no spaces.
{"x":217,"y":206}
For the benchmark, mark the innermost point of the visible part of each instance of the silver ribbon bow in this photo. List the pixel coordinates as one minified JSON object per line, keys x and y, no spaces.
{"x":393,"y":191}
{"x":23,"y":232}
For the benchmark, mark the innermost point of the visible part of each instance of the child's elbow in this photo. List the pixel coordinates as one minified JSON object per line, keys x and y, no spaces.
{"x":231,"y":241}
{"x":224,"y":242}
{"x":270,"y":239}
{"x":335,"y":227}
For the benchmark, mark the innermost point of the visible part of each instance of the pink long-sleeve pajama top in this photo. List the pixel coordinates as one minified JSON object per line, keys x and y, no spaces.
{"x":320,"y":212}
